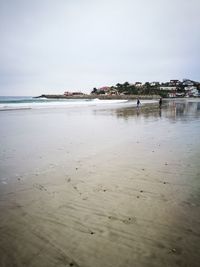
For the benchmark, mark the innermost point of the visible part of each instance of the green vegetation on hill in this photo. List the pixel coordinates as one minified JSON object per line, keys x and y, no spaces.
{"x":164,"y":89}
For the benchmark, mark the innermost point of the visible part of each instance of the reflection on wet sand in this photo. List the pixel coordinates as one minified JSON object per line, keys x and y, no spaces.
{"x":171,"y":109}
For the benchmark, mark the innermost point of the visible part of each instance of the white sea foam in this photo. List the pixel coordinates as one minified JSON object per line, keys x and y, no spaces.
{"x":57,"y":104}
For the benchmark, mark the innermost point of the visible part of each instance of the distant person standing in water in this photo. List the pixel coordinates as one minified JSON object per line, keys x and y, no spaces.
{"x":160,"y":103}
{"x":138,"y":103}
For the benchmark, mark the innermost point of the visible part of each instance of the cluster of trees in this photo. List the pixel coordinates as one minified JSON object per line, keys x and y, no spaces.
{"x":131,"y":89}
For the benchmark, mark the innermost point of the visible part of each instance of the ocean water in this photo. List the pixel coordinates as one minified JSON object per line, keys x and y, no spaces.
{"x":25,"y":102}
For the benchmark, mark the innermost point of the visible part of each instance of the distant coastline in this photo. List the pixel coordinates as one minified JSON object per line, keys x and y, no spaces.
{"x":126,"y":90}
{"x":93,"y":96}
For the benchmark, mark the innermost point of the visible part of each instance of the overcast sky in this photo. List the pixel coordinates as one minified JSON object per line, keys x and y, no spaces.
{"x":51,"y":46}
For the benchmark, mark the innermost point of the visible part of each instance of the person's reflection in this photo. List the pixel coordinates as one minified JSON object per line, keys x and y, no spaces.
{"x":138,"y":112}
{"x":174,"y":109}
{"x":160,"y":112}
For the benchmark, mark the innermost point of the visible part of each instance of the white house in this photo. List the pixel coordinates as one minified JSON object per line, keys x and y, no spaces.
{"x":187,"y":82}
{"x":192,"y":91}
{"x":138,"y":84}
{"x":189,"y":88}
{"x":174,"y":82}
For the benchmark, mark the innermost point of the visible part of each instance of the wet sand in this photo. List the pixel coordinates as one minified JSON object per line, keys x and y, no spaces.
{"x":100,"y":187}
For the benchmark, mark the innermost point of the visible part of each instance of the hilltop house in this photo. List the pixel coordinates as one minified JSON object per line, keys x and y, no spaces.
{"x":154,"y":83}
{"x":104,"y":90}
{"x":187,"y":82}
{"x":174,"y":82}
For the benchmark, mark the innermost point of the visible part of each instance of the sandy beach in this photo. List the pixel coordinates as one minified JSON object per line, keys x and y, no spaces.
{"x":110,"y":186}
